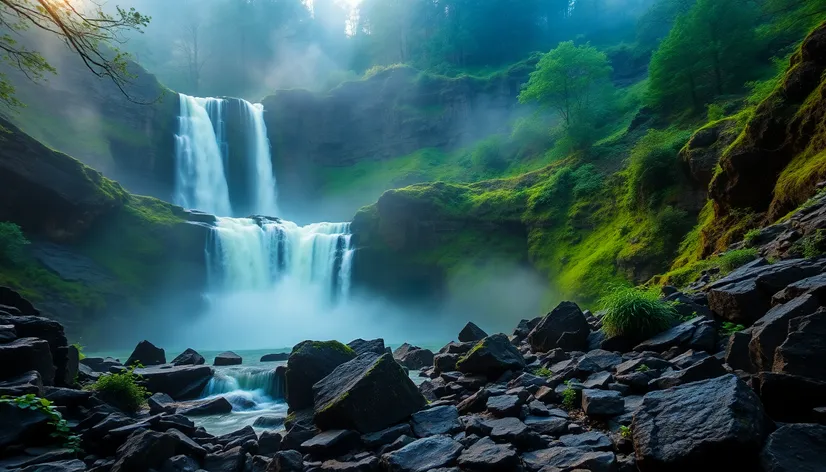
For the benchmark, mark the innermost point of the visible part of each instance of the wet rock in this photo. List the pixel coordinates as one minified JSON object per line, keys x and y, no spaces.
{"x":471,"y":333}
{"x":486,"y":455}
{"x":367,"y":394}
{"x":565,"y":327}
{"x":708,"y":368}
{"x":602,"y":403}
{"x":718,"y":421}
{"x":227,"y":358}
{"x":269,"y":443}
{"x":179,"y":382}
{"x":269,"y":421}
{"x":569,"y":459}
{"x":212,"y":406}
{"x":146,"y":354}
{"x":769,"y":332}
{"x":795,"y":447}
{"x":386,"y":436}
{"x":491,"y":357}
{"x":360,"y":346}
{"x":331,"y":443}
{"x":413,"y":357}
{"x":231,"y":460}
{"x":296,"y":435}
{"x":161,"y":403}
{"x":309,"y":362}
{"x":277,"y":357}
{"x":804,"y":348}
{"x":26,"y":354}
{"x":437,"y":420}
{"x":29,"y":382}
{"x":287,"y":461}
{"x":423,"y":455}
{"x":189,"y":357}
{"x":502,"y":406}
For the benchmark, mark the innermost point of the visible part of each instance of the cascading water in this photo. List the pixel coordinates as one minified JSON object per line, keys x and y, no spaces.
{"x":264,"y":187}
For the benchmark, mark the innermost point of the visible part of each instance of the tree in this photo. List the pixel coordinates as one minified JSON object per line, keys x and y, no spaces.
{"x":709,"y":52}
{"x":571,"y":80}
{"x":91,"y":33}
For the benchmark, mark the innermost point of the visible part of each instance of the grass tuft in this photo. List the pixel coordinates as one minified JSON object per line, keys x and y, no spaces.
{"x":636,"y":313}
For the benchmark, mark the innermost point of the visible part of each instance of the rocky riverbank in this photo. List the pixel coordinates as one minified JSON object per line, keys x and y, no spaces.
{"x":557,"y":394}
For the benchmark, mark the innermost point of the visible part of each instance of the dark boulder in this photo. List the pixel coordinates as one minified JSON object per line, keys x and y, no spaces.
{"x":100,"y":364}
{"x":719,"y":421}
{"x":309,"y":362}
{"x":592,"y":440}
{"x":7,"y":333}
{"x":471,"y":333}
{"x":179,"y":382}
{"x":67,"y":397}
{"x":795,"y":448}
{"x":677,"y":336}
{"x":738,"y":356}
{"x":368,"y":394}
{"x":287,"y":461}
{"x":569,"y":459}
{"x":503,"y":406}
{"x":145,"y":450}
{"x":547,"y":425}
{"x":361,"y":346}
{"x":386,"y":436}
{"x":511,"y":430}
{"x":790,"y":397}
{"x":485,"y":455}
{"x":491,"y":357}
{"x":803,"y":351}
{"x":597,"y":361}
{"x":771,"y":330}
{"x":189,"y":357}
{"x":231,"y":460}
{"x":211,"y":406}
{"x":707,"y":368}
{"x":365,"y":464}
{"x":227,"y":358}
{"x":524,"y":328}
{"x":423,"y":455}
{"x":602,"y":403}
{"x":26,"y":354}
{"x":276,"y":357}
{"x":146,"y":354}
{"x":413,"y":357}
{"x":269,"y":421}
{"x":331,"y":443}
{"x":12,"y":299}
{"x":22,"y":425}
{"x":445,"y":362}
{"x":437,"y":420}
{"x":565,"y":327}
{"x":269,"y":442}
{"x":27,"y":383}
{"x":161,"y":403}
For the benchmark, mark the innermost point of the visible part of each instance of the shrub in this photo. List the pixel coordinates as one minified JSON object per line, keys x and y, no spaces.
{"x":625,"y":432}
{"x":653,"y":165}
{"x":731,"y":260}
{"x":569,"y":396}
{"x":751,"y":237}
{"x":636,"y":313}
{"x":542,"y":372}
{"x":12,"y":242}
{"x":812,"y":245}
{"x":56,"y":420}
{"x":728,"y":328}
{"x":122,"y":390}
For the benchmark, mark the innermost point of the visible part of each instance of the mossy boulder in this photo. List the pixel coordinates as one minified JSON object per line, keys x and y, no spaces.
{"x":492,"y":357}
{"x":368,"y":394}
{"x":309,"y":362}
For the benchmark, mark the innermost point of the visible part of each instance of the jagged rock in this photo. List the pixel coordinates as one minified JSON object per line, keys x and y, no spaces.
{"x":471,"y":333}
{"x":368,"y":394}
{"x":491,"y":357}
{"x":231,"y":460}
{"x":790,"y":397}
{"x":804,"y":349}
{"x":277,"y":357}
{"x":569,"y":458}
{"x":436,"y":420}
{"x":815,"y":285}
{"x":180,"y":463}
{"x":602,"y":403}
{"x":413,"y":357}
{"x":510,"y":430}
{"x":737,"y":351}
{"x":676,"y":336}
{"x":268,"y":421}
{"x":550,"y":425}
{"x":331,"y":443}
{"x":7,"y":333}
{"x":269,"y":443}
{"x":771,"y":330}
{"x":212,"y":406}
{"x":704,"y":338}
{"x":795,"y":448}
{"x":597,"y":361}
{"x":367,"y":464}
{"x":72,"y":465}
{"x":227,"y":358}
{"x":296,"y":435}
{"x":707,"y":368}
{"x":476,"y":403}
{"x":179,"y":382}
{"x":189,"y":357}
{"x":161,"y":403}
{"x":565,"y":327}
{"x":360,"y":346}
{"x":100,"y":364}
{"x":29,"y":382}
{"x":457,"y":348}
{"x":21,"y":425}
{"x":67,"y":397}
{"x":287,"y":461}
{"x":592,"y":440}
{"x":145,"y":450}
{"x":445,"y":362}
{"x":503,"y":406}
{"x":309,"y":362}
{"x":26,"y":354}
{"x":52,"y":332}
{"x":650,"y":363}
{"x":147,"y":354}
{"x":718,"y":421}
{"x":423,"y":455}
{"x":486,"y":455}
{"x":386,"y":436}
{"x":524,"y":328}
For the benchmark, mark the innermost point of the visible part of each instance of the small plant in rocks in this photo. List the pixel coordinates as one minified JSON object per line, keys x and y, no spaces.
{"x":636,"y":313}
{"x":625,"y":432}
{"x":643,"y":368}
{"x":728,"y":328}
{"x":542,"y":372}
{"x":61,"y":426}
{"x":569,"y":396}
{"x":122,"y":389}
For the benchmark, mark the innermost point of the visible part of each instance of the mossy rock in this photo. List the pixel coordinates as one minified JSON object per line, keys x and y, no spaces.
{"x":309,"y":362}
{"x":492,"y":357}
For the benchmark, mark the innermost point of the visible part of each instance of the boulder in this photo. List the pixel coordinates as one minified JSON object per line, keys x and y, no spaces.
{"x":803,"y":351}
{"x":771,"y":330}
{"x":423,"y":455}
{"x":43,"y":328}
{"x":524,"y":328}
{"x":486,"y":455}
{"x":189,"y":357}
{"x":503,"y":406}
{"x":597,"y":361}
{"x":471,"y":333}
{"x":7,"y":333}
{"x":445,"y":362}
{"x":789,"y":397}
{"x":738,"y":356}
{"x":269,"y":443}
{"x":677,"y":336}
{"x":602,"y":403}
{"x":22,"y":425}
{"x":547,"y":425}
{"x":719,"y":421}
{"x":812,"y":285}
{"x":276,"y":357}
{"x":361,"y":346}
{"x":210,"y":406}
{"x":510,"y":430}
{"x":100,"y":364}
{"x":795,"y":448}
{"x":565,"y":327}
{"x":491,"y":357}
{"x":227,"y":358}
{"x":269,"y":421}
{"x":592,"y":440}
{"x":331,"y":443}
{"x":386,"y":436}
{"x":437,"y":420}
{"x":161,"y":403}
{"x":707,"y":368}
{"x":144,"y":450}
{"x":179,"y":382}
{"x":231,"y":460}
{"x":26,"y":354}
{"x":413,"y":357}
{"x":68,"y":397}
{"x":287,"y":461}
{"x":569,"y":459}
{"x":27,"y":383}
{"x":309,"y":362}
{"x":366,"y":464}
{"x":146,"y":354}
{"x":368,"y":394}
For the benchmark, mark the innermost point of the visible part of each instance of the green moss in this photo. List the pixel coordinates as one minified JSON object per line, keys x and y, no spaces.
{"x":331,"y":345}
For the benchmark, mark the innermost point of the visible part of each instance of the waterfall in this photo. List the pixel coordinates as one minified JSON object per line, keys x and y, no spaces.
{"x":231,"y":380}
{"x":200,"y":181}
{"x":263,"y":180}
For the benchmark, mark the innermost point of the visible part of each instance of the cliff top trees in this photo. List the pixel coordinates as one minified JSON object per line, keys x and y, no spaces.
{"x":86,"y":32}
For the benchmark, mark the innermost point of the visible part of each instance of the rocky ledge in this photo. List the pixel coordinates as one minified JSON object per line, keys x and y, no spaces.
{"x":556,"y":395}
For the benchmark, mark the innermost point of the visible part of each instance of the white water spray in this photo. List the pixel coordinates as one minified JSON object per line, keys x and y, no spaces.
{"x":263,"y":180}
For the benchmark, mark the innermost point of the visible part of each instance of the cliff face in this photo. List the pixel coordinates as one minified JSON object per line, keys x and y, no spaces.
{"x":393,"y":113}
